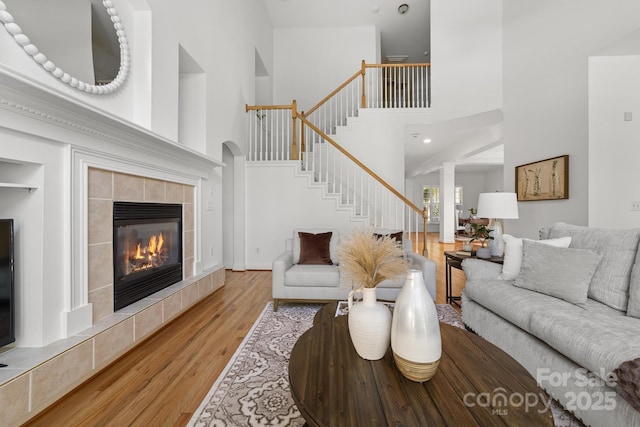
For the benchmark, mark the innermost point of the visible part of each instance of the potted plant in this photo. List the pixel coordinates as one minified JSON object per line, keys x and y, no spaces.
{"x":483,"y":234}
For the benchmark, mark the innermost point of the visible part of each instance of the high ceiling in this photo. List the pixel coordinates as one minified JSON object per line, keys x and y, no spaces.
{"x":401,"y":34}
{"x":469,"y":142}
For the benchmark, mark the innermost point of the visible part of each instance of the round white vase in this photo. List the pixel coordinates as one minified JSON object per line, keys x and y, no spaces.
{"x":369,"y":325}
{"x":415,"y":330}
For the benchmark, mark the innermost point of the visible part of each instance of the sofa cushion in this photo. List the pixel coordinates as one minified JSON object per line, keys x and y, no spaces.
{"x":610,"y":284}
{"x":513,"y":304}
{"x":559,"y":272}
{"x":312,"y":275}
{"x":333,"y":244}
{"x":633,"y":306}
{"x":599,"y":340}
{"x":513,"y":254}
{"x":314,"y":248}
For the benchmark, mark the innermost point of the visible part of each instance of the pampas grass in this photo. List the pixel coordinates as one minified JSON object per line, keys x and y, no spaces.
{"x":365,"y":260}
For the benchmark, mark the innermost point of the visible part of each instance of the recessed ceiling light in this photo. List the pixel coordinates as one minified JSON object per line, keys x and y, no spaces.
{"x":427,"y":140}
{"x":403,"y":8}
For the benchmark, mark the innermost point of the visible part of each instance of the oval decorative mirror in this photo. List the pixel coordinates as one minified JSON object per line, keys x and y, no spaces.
{"x":108,"y":86}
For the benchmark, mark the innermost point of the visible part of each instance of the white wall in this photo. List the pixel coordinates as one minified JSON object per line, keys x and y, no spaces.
{"x":494,"y":180}
{"x":279,"y":201}
{"x":376,"y":137}
{"x":310,"y":63}
{"x":614,"y":89}
{"x":466,"y":57}
{"x":546,"y":49}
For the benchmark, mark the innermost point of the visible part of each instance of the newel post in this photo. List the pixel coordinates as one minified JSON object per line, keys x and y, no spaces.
{"x":364,"y":96}
{"x":303,"y":145}
{"x":294,"y":143}
{"x":425,"y":218}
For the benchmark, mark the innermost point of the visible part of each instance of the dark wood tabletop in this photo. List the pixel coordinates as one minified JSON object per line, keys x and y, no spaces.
{"x":332,"y":386}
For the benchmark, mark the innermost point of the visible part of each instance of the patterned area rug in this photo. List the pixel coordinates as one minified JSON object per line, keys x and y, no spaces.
{"x":253,"y":389}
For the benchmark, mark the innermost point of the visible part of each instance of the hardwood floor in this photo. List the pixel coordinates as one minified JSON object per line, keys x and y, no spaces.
{"x":163,"y":380}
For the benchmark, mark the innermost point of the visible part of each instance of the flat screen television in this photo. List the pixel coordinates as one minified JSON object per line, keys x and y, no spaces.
{"x":7,"y":327}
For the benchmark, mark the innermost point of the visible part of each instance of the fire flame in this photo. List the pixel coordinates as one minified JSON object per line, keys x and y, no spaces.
{"x":151,"y":252}
{"x":155,"y":244}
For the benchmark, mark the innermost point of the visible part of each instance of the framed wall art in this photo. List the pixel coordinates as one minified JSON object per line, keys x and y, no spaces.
{"x":543,"y":180}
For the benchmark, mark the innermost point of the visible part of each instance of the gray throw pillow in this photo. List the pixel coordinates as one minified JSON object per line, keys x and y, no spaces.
{"x":559,"y":272}
{"x":610,"y":284}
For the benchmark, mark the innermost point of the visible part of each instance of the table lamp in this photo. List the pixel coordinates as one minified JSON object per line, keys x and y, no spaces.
{"x":497,"y":206}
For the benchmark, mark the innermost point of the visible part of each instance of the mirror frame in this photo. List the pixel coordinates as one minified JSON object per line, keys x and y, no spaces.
{"x":23,"y":40}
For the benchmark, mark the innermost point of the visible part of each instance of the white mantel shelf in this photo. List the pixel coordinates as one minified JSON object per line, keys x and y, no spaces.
{"x":25,"y":96}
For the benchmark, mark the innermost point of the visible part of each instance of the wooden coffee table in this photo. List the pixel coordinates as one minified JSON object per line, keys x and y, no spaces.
{"x":332,"y":386}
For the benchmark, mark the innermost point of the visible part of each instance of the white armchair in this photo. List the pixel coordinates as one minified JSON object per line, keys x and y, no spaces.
{"x":296,"y":282}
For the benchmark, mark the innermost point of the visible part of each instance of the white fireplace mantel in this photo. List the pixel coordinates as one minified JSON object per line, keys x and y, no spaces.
{"x":60,"y":136}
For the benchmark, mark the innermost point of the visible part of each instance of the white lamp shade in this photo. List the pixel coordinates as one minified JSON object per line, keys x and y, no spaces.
{"x":498,"y":205}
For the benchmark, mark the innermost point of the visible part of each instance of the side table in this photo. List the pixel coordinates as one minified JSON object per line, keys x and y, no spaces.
{"x":454,"y":260}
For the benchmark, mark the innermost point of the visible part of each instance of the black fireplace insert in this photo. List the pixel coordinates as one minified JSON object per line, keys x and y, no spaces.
{"x":147,"y":249}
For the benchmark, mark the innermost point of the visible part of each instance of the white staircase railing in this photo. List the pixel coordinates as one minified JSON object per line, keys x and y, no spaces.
{"x":272,"y":132}
{"x":277,"y":133}
{"x":339,"y":173}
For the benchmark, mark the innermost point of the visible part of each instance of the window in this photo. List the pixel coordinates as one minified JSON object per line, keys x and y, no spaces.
{"x":431,"y":200}
{"x":458,"y":196}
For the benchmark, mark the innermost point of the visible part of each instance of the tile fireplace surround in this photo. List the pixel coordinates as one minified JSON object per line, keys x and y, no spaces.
{"x":48,"y":373}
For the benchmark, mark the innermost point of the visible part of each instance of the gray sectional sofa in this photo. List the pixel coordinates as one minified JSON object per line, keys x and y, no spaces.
{"x":292,"y":281}
{"x":570,"y":316}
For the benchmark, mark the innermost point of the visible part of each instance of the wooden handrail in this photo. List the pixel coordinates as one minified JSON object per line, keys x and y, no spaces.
{"x":328,"y":97}
{"x":267,"y":107}
{"x":361,"y":165}
{"x":424,"y":64}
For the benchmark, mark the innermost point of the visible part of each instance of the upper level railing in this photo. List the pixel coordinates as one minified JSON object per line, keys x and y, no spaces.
{"x":373,"y":86}
{"x":273,"y":131}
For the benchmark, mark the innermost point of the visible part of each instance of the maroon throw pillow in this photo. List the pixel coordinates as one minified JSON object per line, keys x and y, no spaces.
{"x":315,"y":248}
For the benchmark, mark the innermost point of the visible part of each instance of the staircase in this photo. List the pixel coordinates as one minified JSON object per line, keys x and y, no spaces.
{"x":280,"y":133}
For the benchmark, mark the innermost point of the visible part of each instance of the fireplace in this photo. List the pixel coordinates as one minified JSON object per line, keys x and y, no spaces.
{"x":147,"y":249}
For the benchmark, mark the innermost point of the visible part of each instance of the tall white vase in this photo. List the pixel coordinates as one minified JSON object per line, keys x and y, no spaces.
{"x":415,"y":330}
{"x":369,"y":325}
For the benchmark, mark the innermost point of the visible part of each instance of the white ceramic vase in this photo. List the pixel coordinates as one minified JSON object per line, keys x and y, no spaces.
{"x":369,"y":325}
{"x":415,"y":330}
{"x":483,"y":252}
